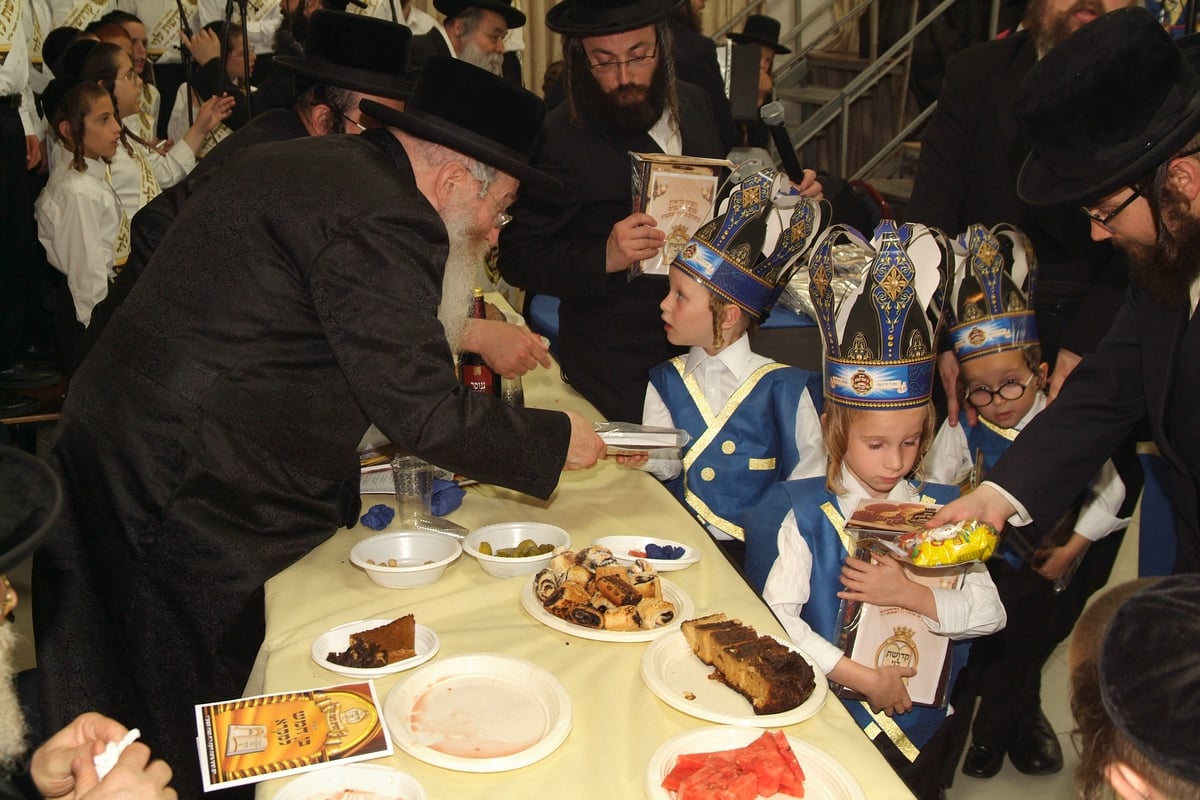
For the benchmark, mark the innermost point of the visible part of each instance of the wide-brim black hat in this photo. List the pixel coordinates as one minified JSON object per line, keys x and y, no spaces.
{"x":1104,"y":108}
{"x":452,"y":8}
{"x":355,"y":52}
{"x":761,"y":29}
{"x":31,"y":499}
{"x":476,"y":113}
{"x":581,"y":18}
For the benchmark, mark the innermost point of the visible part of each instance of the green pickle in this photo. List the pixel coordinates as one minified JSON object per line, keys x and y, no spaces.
{"x":526,"y":549}
{"x":485,"y":548}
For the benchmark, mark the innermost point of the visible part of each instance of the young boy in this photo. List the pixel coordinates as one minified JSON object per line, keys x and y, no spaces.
{"x":752,"y":420}
{"x":991,"y":325}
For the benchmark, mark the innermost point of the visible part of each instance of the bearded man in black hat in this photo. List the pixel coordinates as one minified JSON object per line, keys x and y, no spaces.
{"x":473,"y":31}
{"x":1113,"y":116}
{"x":209,"y":440}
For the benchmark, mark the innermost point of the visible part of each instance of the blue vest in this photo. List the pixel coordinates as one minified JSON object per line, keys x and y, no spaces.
{"x":986,"y":438}
{"x":738,"y":452}
{"x":820,"y":523}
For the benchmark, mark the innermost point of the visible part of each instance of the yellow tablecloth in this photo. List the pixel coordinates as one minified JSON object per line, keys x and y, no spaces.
{"x":617,"y":722}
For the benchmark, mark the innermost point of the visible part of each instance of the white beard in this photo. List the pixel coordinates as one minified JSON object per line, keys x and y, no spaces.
{"x":468,"y":249}
{"x":473,"y":54}
{"x":12,"y":721}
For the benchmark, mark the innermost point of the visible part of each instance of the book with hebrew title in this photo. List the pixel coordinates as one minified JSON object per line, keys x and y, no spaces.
{"x":680,"y":193}
{"x":253,"y":739}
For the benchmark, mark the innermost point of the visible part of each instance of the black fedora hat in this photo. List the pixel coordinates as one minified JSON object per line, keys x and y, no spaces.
{"x":476,"y":113}
{"x":452,"y":8}
{"x":31,"y":499}
{"x":581,"y":18}
{"x":1104,"y":108}
{"x":355,"y":52}
{"x":760,"y":29}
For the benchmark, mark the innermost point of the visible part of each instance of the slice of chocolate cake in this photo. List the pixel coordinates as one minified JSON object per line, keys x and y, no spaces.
{"x":380,"y":646}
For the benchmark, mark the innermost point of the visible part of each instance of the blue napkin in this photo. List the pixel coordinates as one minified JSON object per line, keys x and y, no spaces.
{"x":447,"y":496}
{"x":379,"y":517}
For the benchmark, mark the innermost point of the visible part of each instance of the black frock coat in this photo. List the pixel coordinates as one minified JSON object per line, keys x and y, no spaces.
{"x":610,"y":329}
{"x":209,"y":440}
{"x":971,"y":154}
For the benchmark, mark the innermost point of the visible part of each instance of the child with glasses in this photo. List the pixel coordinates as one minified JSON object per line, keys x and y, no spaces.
{"x":991,"y":324}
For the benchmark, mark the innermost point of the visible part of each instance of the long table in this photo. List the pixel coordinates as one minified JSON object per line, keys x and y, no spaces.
{"x":617,"y":722}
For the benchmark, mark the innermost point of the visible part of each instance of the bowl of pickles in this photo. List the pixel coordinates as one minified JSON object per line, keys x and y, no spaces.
{"x":511,"y":549}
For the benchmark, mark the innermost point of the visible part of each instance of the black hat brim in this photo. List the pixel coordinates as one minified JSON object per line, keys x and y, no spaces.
{"x":513,"y":17}
{"x":564,"y":18}
{"x":457,"y":138}
{"x":31,"y":499}
{"x":358,"y":80}
{"x":741,"y":38}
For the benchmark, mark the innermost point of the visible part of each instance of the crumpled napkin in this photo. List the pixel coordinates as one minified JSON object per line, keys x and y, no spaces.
{"x":378,"y":517}
{"x":447,"y":496}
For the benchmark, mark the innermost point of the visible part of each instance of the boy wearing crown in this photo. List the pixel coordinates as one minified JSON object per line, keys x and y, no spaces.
{"x":991,"y":324}
{"x":878,"y":421}
{"x":752,"y":421}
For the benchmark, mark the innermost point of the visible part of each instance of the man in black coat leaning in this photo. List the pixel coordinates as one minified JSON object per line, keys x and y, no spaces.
{"x":209,"y":440}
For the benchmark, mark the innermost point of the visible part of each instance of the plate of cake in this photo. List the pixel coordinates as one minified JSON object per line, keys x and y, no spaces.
{"x":372,"y":648}
{"x":760,"y":681}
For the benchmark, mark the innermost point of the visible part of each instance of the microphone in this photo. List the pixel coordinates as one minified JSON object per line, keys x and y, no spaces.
{"x":772,"y":115}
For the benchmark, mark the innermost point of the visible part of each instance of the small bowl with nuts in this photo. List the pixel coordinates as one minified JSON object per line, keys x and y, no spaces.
{"x":406,"y":559}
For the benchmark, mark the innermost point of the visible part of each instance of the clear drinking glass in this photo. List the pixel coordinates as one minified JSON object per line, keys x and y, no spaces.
{"x":414,"y":487}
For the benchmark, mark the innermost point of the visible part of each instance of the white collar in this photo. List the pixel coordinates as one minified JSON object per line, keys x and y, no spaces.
{"x":735,"y":356}
{"x":665,"y":132}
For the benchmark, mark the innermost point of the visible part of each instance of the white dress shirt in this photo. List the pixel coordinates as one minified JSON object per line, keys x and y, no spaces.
{"x":129,"y":172}
{"x":416,"y":20}
{"x":974,"y":610}
{"x":161,"y":18}
{"x":265,"y":17}
{"x":14,"y":72}
{"x":79,"y":217}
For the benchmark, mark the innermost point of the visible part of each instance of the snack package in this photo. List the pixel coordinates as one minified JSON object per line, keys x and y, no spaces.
{"x":957,"y":543}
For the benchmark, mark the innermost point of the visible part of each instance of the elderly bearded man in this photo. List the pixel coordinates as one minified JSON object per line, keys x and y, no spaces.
{"x":473,"y":31}
{"x":208,"y":442}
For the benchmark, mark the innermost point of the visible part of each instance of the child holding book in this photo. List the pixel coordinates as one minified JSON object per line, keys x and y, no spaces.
{"x":752,"y":421}
{"x":878,"y":421}
{"x":992,"y":328}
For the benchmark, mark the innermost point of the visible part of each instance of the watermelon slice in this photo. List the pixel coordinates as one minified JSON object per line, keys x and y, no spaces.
{"x":765,"y":767}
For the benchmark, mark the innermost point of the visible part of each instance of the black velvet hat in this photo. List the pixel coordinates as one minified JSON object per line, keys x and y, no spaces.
{"x":580,"y":18}
{"x":452,"y":8}
{"x":54,"y":93}
{"x":476,"y":113}
{"x":353,"y":51}
{"x":1103,"y":108}
{"x":760,"y":29}
{"x":31,"y":499}
{"x":1150,"y":673}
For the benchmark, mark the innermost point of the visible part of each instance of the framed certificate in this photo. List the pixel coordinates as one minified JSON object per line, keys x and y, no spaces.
{"x":679,"y":192}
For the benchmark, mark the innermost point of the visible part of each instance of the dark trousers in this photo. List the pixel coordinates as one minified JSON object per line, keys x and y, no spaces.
{"x":167,"y":79}
{"x":16,"y":233}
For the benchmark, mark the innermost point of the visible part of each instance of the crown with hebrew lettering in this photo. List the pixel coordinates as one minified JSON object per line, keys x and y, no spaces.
{"x":880,"y":337}
{"x":746,"y":253}
{"x":990,"y":308}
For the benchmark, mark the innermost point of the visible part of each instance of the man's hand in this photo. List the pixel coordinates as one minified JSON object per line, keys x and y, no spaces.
{"x":1063,"y":365}
{"x":1052,"y":562}
{"x":810,"y":186}
{"x":63,"y":768}
{"x":508,"y":349}
{"x":632,"y":239}
{"x":204,"y":46}
{"x":983,"y":503}
{"x":635,"y":460}
{"x":586,"y":445}
{"x":33,"y":152}
{"x":947,"y":366}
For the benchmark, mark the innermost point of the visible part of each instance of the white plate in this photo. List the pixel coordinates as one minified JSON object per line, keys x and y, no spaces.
{"x":481,"y":712}
{"x":360,"y":781}
{"x":670,"y":668}
{"x":684,"y":609}
{"x":621,"y":545}
{"x":335,"y":640}
{"x":824,"y":776}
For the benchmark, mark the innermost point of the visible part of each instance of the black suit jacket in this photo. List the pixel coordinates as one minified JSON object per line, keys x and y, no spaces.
{"x":971,"y":155}
{"x":610,"y":331}
{"x":424,"y":47}
{"x":696,"y":62}
{"x":1139,"y":369}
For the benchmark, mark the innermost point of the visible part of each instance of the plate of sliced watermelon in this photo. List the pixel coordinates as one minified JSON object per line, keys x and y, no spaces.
{"x":747,"y":764}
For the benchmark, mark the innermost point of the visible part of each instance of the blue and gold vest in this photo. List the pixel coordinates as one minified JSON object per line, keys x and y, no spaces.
{"x":737,"y":453}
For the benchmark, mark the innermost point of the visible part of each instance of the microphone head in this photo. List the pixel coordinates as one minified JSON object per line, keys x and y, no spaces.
{"x":773,"y":114}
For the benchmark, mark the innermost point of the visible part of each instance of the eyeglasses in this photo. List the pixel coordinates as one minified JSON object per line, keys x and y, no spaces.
{"x":1105,"y":220}
{"x":502,"y":216}
{"x":613,"y":64}
{"x":1012,"y":389}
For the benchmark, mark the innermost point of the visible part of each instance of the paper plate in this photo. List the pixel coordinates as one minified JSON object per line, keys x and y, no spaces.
{"x":684,"y":609}
{"x":673,"y":673}
{"x":359,"y":781}
{"x":824,"y":776}
{"x":335,"y":640}
{"x":480,"y":712}
{"x":621,"y":545}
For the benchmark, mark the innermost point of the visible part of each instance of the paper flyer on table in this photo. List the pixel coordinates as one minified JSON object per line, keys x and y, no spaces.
{"x":253,"y":739}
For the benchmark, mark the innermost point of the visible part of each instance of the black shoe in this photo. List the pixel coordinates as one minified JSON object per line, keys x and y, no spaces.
{"x":983,"y":760}
{"x":23,"y":376}
{"x":1035,"y":749}
{"x":17,"y":405}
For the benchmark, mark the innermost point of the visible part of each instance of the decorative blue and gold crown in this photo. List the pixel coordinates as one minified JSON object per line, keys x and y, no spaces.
{"x":728,"y":253}
{"x":880,"y":338}
{"x":990,"y":308}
